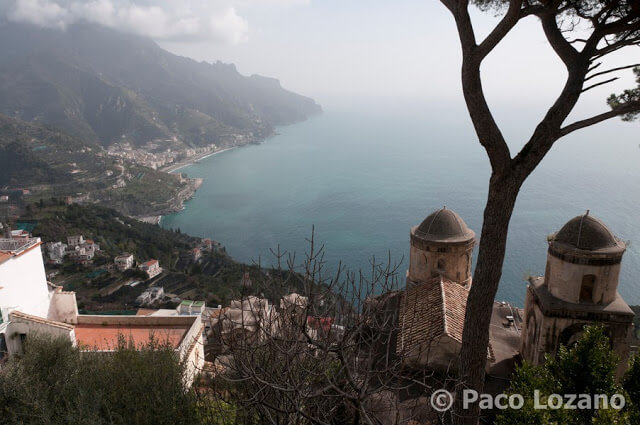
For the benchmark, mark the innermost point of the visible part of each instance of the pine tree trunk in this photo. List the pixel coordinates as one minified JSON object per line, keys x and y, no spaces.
{"x":493,"y":240}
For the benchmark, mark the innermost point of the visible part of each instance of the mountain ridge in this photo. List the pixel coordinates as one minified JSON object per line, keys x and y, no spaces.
{"x":108,"y":87}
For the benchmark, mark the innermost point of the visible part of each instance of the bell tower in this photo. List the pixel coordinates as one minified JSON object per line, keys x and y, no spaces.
{"x":442,"y":245}
{"x":579,"y":288}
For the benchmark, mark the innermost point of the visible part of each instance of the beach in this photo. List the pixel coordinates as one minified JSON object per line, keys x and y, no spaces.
{"x":192,"y":160}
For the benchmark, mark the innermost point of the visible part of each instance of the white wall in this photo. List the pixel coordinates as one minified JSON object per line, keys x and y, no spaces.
{"x":24,"y":284}
{"x":63,"y":307}
{"x":32,"y":327}
{"x":192,"y":351}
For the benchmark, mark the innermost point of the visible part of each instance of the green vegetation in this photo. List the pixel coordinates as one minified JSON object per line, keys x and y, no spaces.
{"x":33,"y":154}
{"x":51,"y":163}
{"x":53,"y":383}
{"x":114,"y":232}
{"x":587,"y":368}
{"x":636,"y":323}
{"x":215,"y":278}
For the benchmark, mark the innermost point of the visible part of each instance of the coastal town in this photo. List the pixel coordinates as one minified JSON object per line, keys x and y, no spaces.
{"x":159,"y":155}
{"x":313,"y":277}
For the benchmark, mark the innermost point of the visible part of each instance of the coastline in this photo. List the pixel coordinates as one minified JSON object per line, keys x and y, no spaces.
{"x":193,"y":187}
{"x":192,"y":160}
{"x":197,"y":182}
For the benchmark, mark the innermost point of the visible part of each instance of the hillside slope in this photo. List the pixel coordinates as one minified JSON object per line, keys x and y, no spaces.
{"x":106,"y":87}
{"x":51,"y":163}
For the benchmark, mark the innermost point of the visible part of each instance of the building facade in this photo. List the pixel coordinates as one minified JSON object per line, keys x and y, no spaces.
{"x":29,"y":305}
{"x":124,"y":261}
{"x":432,"y":308}
{"x":152,"y":267}
{"x":579,"y":288}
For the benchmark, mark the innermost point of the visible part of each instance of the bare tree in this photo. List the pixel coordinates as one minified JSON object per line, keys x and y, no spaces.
{"x":605,"y":27}
{"x":328,"y":355}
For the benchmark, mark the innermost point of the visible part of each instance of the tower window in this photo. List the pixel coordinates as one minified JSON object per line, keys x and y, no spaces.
{"x":441,"y":264}
{"x":586,"y":289}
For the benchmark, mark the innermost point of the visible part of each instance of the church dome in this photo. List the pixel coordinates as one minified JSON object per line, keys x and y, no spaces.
{"x":586,"y":232}
{"x":444,"y":225}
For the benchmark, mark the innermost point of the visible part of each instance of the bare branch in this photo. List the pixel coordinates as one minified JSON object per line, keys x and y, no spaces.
{"x":593,"y":86}
{"x":620,"y":68}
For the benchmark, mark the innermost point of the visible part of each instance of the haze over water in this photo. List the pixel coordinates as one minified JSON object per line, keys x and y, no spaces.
{"x":364,"y":173}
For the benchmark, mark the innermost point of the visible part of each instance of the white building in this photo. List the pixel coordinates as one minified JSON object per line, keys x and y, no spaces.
{"x":56,"y":252}
{"x":22,"y":272}
{"x":81,"y":250}
{"x":151,"y":295}
{"x":124,"y":261}
{"x":75,"y":240}
{"x":27,"y":301}
{"x":29,"y":305}
{"x":190,"y":307}
{"x":152,"y":267}
{"x":81,"y":254}
{"x":20,"y":234}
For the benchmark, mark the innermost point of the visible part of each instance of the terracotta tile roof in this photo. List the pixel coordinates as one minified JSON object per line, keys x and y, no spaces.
{"x":145,"y":311}
{"x":36,"y":319}
{"x":430,"y":310}
{"x":105,"y":337}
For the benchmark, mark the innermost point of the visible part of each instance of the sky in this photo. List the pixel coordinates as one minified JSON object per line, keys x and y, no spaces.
{"x":335,"y":49}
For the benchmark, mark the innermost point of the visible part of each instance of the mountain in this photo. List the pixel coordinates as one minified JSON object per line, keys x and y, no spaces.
{"x":105,"y":87}
{"x":34,"y":154}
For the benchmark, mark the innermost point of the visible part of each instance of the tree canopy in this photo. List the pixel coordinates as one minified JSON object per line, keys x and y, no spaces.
{"x":588,"y":367}
{"x":582,"y":34}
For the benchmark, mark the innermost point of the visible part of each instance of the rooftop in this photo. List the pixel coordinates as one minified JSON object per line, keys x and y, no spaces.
{"x":430,"y":310}
{"x":586,"y":232}
{"x":105,"y":337}
{"x":444,"y":225}
{"x":504,"y":339}
{"x":15,"y":314}
{"x":192,"y":303}
{"x":16,"y":246}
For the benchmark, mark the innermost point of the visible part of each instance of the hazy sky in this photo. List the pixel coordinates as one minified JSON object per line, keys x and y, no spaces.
{"x":331,"y":48}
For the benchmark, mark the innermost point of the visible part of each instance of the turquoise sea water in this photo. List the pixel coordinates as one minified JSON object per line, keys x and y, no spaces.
{"x":364,"y":174}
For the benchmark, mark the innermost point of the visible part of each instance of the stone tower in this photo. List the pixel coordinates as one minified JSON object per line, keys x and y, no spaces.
{"x":580,"y":287}
{"x":441,"y":245}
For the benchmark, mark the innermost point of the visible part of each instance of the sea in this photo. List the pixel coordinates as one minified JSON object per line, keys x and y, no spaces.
{"x":362,"y":173}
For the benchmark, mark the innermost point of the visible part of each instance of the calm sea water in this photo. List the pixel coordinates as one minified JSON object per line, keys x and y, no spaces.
{"x":364,"y":174}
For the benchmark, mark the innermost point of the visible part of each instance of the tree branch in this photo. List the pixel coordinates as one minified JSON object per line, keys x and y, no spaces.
{"x":620,"y":68}
{"x":593,"y":86}
{"x":486,"y":128}
{"x":635,"y":107}
{"x":567,"y":53}
{"x":509,"y":20}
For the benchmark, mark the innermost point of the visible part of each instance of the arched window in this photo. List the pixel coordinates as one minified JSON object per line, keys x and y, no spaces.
{"x":441,"y":264}
{"x":586,"y":289}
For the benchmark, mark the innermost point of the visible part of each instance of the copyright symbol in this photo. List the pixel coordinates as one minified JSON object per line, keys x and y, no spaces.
{"x":441,"y":400}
